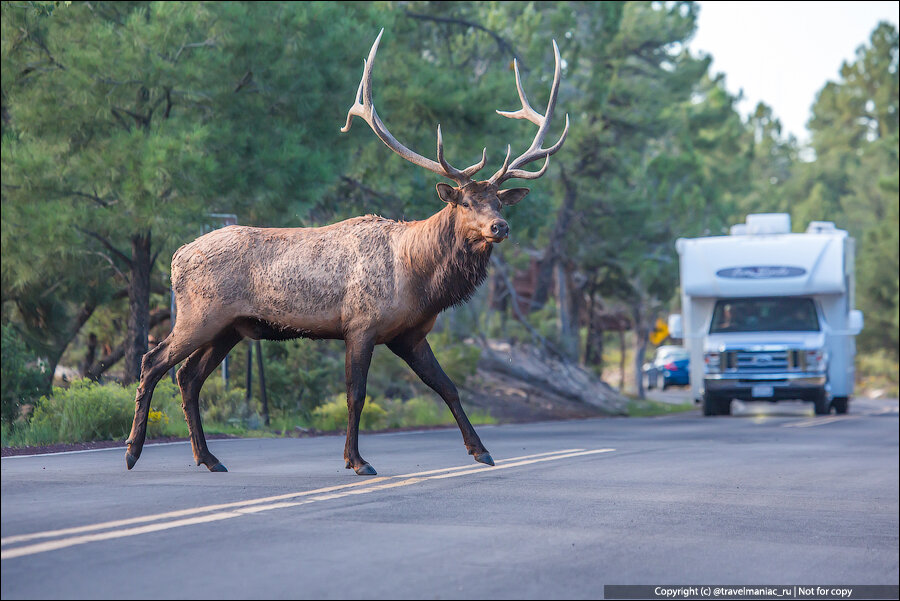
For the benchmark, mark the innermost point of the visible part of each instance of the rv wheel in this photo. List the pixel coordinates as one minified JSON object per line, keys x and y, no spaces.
{"x":725,"y":406}
{"x":711,"y":404}
{"x":820,"y":402}
{"x":840,"y":404}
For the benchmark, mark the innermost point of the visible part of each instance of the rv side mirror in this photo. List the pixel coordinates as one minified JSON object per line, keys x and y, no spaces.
{"x":855,"y":323}
{"x":675,"y":326}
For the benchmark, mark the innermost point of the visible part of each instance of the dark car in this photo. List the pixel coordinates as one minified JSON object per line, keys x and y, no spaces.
{"x":670,"y":367}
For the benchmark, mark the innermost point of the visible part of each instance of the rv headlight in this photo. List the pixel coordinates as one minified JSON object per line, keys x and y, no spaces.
{"x":816,"y":360}
{"x":712,"y":362}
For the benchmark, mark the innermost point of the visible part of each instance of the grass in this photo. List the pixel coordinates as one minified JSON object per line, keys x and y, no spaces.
{"x":649,"y":408}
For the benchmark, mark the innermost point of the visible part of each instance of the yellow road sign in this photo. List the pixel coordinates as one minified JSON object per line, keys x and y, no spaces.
{"x":659,"y":333}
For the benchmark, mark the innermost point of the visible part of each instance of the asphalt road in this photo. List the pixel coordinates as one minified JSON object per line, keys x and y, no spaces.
{"x":776,"y":497}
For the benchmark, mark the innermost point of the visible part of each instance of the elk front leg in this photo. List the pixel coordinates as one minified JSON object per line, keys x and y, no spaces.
{"x":422,"y":361}
{"x":359,"y":356}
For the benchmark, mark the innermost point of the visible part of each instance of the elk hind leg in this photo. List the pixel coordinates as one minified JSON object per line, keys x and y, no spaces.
{"x":191,"y":377}
{"x":421,"y":359}
{"x":154,"y":366}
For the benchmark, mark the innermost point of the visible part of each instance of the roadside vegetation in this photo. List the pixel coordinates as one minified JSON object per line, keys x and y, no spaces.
{"x":129,"y":129}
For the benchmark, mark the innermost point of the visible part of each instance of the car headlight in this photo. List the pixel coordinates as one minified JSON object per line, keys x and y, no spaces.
{"x":712,"y":362}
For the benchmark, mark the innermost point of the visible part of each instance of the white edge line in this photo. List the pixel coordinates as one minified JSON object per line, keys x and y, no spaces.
{"x":147,"y":445}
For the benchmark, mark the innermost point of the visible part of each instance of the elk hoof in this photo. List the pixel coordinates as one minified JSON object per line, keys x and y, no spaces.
{"x":366,"y":470}
{"x":484,"y":458}
{"x":130,"y":460}
{"x":218,"y":467}
{"x":347,"y":465}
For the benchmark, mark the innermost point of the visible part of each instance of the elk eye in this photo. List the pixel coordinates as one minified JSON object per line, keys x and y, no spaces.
{"x":466,"y":205}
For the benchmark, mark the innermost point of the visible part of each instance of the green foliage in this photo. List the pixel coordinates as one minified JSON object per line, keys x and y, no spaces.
{"x":332,"y":415}
{"x":648,"y":408}
{"x":878,"y":373}
{"x":854,"y":178}
{"x":300,"y":374}
{"x":89,"y":411}
{"x":22,"y":380}
{"x":222,"y":406}
{"x":391,"y":413}
{"x":122,"y":119}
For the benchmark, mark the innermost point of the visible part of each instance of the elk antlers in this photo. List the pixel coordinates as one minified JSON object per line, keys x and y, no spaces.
{"x":534,"y":152}
{"x":364,"y":108}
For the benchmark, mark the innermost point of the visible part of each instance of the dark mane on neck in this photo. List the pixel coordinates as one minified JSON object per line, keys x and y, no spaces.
{"x":449,"y":266}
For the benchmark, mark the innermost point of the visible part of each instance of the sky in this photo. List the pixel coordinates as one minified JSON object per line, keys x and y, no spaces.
{"x":783,"y":53}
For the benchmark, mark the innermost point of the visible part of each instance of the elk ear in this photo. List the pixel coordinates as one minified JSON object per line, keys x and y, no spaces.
{"x":512,"y":196}
{"x":448,"y":193}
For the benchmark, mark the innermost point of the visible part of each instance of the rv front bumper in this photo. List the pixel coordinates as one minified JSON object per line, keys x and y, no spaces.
{"x":766,"y":387}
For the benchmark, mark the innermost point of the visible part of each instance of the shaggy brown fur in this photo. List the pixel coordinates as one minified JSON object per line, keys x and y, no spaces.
{"x":366,"y":280}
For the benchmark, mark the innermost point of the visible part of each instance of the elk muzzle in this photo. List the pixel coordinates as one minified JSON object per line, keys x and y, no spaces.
{"x":499,"y":231}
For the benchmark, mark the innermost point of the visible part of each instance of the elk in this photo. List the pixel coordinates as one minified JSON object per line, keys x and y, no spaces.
{"x":366,"y":280}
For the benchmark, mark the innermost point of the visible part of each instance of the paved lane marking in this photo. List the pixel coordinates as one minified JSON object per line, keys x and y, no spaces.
{"x":818,"y":421}
{"x":174,"y":514}
{"x":186,"y":512}
{"x":209,"y":508}
{"x":501,"y":461}
{"x":256,"y":505}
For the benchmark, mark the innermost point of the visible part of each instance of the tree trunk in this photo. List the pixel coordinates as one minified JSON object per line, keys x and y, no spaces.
{"x":554,"y":250}
{"x":139,"y":306}
{"x":641,"y":333}
{"x":568,"y":326}
{"x":593,"y":345}
{"x":622,"y":360}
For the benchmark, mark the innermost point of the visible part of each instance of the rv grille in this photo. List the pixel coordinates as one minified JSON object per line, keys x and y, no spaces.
{"x":760,"y":361}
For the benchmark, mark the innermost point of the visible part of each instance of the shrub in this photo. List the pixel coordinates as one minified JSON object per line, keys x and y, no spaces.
{"x":85,"y":411}
{"x":88,"y":411}
{"x":219,"y":405}
{"x":333,"y":415}
{"x":418,"y":411}
{"x":22,"y":381}
{"x":877,"y":374}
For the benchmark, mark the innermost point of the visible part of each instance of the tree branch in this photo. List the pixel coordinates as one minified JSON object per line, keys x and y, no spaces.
{"x":105,"y":362}
{"x":207,"y":42}
{"x":501,"y":42}
{"x":115,"y":251}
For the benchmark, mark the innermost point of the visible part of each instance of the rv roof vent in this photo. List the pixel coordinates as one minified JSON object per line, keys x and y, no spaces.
{"x":820,"y":227}
{"x":769,"y":223}
{"x":739,"y":229}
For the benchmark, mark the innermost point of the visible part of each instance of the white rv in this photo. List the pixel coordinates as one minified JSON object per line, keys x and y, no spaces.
{"x":768,"y":315}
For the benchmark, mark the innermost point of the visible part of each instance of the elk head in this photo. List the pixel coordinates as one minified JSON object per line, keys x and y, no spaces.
{"x":477,"y":203}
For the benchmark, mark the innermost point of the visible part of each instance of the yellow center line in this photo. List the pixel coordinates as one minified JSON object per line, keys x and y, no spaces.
{"x":256,"y":505}
{"x":818,"y":421}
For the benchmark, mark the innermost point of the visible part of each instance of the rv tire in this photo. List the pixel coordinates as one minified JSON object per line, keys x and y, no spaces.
{"x":821,"y":404}
{"x":711,"y":404}
{"x":725,"y":405}
{"x":840,"y":404}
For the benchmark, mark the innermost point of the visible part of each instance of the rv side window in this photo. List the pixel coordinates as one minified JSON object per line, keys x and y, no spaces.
{"x":779,"y":314}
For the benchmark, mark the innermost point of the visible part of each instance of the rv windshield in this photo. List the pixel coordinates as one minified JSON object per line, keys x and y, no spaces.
{"x":764,"y":315}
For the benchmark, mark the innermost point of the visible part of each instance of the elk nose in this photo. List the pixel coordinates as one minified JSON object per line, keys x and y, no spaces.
{"x":500,"y":229}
